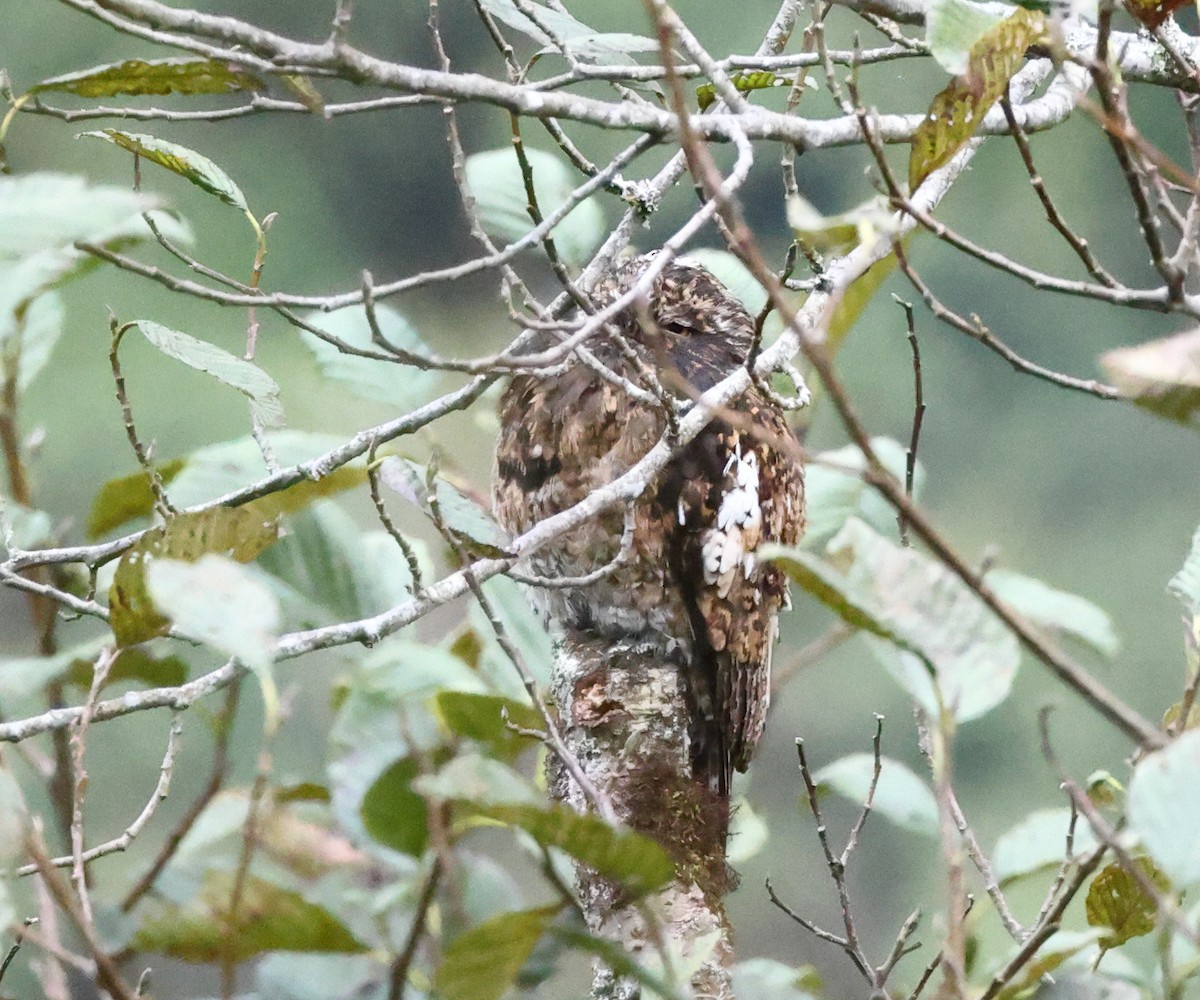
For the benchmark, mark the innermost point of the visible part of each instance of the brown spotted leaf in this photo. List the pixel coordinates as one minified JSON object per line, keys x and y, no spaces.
{"x":957,"y":112}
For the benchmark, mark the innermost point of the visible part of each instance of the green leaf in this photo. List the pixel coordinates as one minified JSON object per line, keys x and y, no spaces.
{"x":180,"y":75}
{"x":636,"y":861}
{"x":1117,"y":901}
{"x":942,"y":644}
{"x":1085,"y":985}
{"x":765,"y":977}
{"x":527,"y":630}
{"x":399,"y":385}
{"x":39,"y":330}
{"x":1061,"y":948}
{"x":748,"y":833}
{"x":958,"y":111}
{"x":219,"y":603}
{"x":269,"y":919}
{"x":121,"y":500}
{"x":235,"y":372}
{"x":341,"y":572}
{"x":487,"y":719}
{"x":132,"y":665}
{"x":1060,"y":613}
{"x":485,"y":788}
{"x":1163,"y":807}
{"x":1038,"y":843}
{"x":855,"y":299}
{"x":838,"y":233}
{"x":285,"y":976}
{"x":393,"y":813}
{"x":187,"y":163}
{"x":42,"y":216}
{"x":25,"y":676}
{"x":238,"y":532}
{"x":463,"y":516}
{"x":835,"y":492}
{"x":580,"y":41}
{"x":482,"y":963}
{"x":1162,"y":376}
{"x":900,"y":796}
{"x":706,"y":94}
{"x":495,"y":180}
{"x":952,"y":27}
{"x":1185,"y":585}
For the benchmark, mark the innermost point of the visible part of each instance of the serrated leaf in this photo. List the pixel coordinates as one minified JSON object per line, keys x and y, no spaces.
{"x":1038,"y":843}
{"x":466,"y":518}
{"x":935,"y":637}
{"x":219,"y":603}
{"x":1162,"y":376}
{"x":482,"y":963}
{"x":835,"y":492}
{"x":495,"y":180}
{"x":240,"y":533}
{"x":487,"y":719}
{"x":393,"y":813}
{"x":706,"y":94}
{"x":121,"y":500}
{"x":187,"y":163}
{"x":1116,"y":901}
{"x":958,"y":111}
{"x":179,"y":75}
{"x":1163,"y":807}
{"x":900,"y":796}
{"x":269,"y":919}
{"x":255,"y":384}
{"x":1057,"y":611}
{"x":398,"y":385}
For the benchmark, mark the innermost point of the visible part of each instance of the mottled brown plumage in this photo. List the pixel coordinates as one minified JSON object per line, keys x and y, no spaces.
{"x":691,"y":585}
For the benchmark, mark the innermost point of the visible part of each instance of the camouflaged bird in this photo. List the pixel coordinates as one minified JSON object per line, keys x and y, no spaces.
{"x":690,"y":584}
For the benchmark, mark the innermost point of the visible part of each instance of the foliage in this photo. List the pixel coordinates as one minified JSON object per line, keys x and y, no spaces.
{"x":417,"y":851}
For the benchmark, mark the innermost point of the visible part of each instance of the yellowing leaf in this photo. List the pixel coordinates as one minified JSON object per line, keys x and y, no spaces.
{"x":957,"y":112}
{"x":196,"y":167}
{"x":240,"y":533}
{"x":1117,"y":901}
{"x":177,"y":75}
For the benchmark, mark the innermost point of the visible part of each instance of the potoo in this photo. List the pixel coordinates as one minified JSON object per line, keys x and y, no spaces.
{"x":686,"y":580}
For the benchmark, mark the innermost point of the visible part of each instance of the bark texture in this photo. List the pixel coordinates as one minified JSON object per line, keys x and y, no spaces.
{"x":625,"y":718}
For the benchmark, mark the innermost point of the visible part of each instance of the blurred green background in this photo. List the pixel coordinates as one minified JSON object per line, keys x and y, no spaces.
{"x":1093,"y":497}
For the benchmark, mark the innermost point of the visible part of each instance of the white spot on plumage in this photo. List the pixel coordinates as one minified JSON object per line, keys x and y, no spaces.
{"x":730,"y":545}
